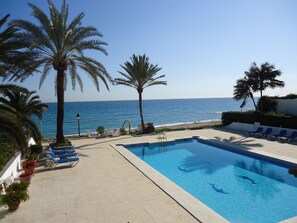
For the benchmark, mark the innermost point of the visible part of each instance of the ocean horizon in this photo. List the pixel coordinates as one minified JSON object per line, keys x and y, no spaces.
{"x":112,"y":114}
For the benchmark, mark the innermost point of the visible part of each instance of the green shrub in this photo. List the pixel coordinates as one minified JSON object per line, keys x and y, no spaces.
{"x":100,"y":129}
{"x":7,"y":151}
{"x":35,"y":149}
{"x":269,"y":119}
{"x":66,"y":143}
{"x":150,"y":128}
{"x":289,"y":96}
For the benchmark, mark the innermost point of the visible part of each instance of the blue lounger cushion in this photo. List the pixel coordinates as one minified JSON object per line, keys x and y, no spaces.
{"x":61,"y":152}
{"x":53,"y":160}
{"x":259,"y":130}
{"x":265,"y":134}
{"x":69,"y":160}
{"x":62,"y":155}
{"x":282,"y":133}
{"x":293,"y":136}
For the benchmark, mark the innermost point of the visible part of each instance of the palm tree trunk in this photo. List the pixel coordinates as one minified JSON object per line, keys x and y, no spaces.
{"x":60,"y":113}
{"x":140,"y":109}
{"x":261,"y":109}
{"x":252,"y":97}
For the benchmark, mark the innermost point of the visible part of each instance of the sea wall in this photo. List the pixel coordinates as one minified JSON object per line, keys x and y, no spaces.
{"x":287,"y":105}
{"x":253,"y":127}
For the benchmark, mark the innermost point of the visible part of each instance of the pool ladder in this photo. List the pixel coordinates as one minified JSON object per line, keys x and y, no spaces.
{"x":162,"y":138}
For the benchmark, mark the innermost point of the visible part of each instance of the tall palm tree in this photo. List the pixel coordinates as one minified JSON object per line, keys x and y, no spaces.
{"x":14,"y":58}
{"x":60,"y":45}
{"x":264,"y":77}
{"x":140,"y":74}
{"x":25,"y":104}
{"x":243,"y":90}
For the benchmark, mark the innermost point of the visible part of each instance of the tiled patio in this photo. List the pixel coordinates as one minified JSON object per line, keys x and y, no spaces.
{"x":105,"y":187}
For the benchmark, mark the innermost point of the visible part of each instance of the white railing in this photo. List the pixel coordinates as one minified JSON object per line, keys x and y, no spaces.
{"x":12,"y":169}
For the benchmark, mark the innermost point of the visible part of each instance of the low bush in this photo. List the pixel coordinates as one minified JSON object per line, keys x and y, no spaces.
{"x":150,"y":128}
{"x":35,"y":149}
{"x":100,"y":129}
{"x":269,"y":119}
{"x":66,"y":143}
{"x":123,"y":131}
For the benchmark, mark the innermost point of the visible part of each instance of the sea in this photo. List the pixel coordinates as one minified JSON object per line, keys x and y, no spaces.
{"x":112,"y":114}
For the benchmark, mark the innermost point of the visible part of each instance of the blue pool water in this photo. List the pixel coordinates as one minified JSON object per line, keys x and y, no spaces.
{"x":238,"y":187}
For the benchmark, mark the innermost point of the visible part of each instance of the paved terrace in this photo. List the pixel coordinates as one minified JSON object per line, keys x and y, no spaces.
{"x":105,"y":187}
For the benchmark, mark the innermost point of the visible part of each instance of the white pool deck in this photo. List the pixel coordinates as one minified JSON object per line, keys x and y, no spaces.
{"x":106,"y":187}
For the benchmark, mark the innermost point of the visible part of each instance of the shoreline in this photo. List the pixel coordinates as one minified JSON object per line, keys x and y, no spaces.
{"x":189,"y":125}
{"x":171,"y":127}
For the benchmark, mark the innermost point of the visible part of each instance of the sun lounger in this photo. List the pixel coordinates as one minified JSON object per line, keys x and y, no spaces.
{"x":53,"y":160}
{"x":292,"y":137}
{"x":264,"y":134}
{"x":282,"y":133}
{"x":259,"y":130}
{"x":63,"y":148}
{"x":63,"y":153}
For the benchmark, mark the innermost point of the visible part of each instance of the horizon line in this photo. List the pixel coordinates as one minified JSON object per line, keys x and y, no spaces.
{"x":145,"y":99}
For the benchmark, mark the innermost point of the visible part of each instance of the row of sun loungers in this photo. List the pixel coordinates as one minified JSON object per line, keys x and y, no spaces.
{"x":282,"y":136}
{"x":62,"y":155}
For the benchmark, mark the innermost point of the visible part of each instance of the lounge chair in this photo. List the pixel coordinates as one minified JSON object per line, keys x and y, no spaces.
{"x":293,"y":136}
{"x":282,"y":133}
{"x":63,"y":153}
{"x":259,"y":130}
{"x":53,"y":160}
{"x":264,"y":134}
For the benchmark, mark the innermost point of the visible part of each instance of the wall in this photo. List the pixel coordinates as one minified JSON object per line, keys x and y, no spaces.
{"x":12,"y":168}
{"x":253,"y":127}
{"x":287,"y":105}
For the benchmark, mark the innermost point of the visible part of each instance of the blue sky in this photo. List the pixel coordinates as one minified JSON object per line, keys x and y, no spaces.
{"x":202,"y":46}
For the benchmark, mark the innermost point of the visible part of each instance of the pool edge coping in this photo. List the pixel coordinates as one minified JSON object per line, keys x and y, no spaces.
{"x":192,"y":205}
{"x":200,"y":211}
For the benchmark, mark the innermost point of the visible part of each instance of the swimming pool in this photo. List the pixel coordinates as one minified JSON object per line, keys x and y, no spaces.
{"x":241,"y":188}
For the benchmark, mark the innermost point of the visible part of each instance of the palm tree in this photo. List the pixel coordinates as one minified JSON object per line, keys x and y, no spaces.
{"x":25,"y":104}
{"x":243,"y":90}
{"x":14,"y":59}
{"x":264,"y":77}
{"x":60,"y":46}
{"x":12,"y":130}
{"x":10,"y":126}
{"x":140,"y":74}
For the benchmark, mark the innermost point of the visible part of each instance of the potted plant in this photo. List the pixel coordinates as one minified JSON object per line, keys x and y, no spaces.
{"x":15,"y":194}
{"x":29,"y":166}
{"x":25,"y":177}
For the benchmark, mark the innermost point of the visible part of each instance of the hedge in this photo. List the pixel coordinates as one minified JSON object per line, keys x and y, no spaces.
{"x":275,"y":120}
